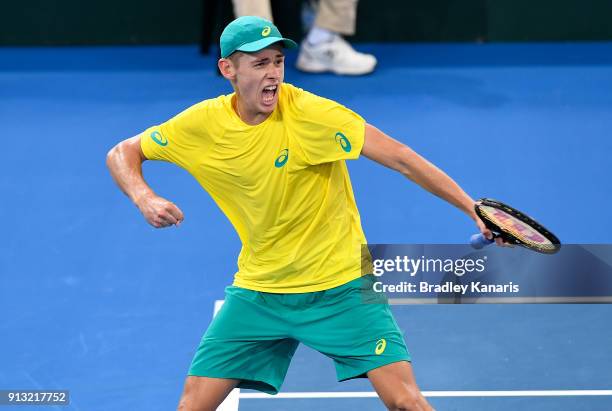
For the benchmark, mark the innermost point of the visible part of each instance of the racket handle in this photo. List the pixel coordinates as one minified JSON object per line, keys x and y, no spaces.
{"x":479,"y":240}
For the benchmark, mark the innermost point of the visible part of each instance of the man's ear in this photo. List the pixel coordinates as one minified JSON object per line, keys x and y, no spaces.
{"x":227,"y":69}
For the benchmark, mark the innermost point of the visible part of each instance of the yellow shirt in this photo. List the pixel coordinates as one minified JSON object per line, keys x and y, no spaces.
{"x":283,"y":184}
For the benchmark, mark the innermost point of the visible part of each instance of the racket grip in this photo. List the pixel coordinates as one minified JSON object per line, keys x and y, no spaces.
{"x":479,"y":240}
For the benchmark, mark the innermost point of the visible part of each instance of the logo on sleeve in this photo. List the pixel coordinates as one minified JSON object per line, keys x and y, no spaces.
{"x":281,"y":160}
{"x":343,"y":141}
{"x":380,"y":346}
{"x":159,"y":138}
{"x":266,"y":31}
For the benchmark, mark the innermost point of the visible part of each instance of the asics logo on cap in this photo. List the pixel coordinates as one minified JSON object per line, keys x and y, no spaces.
{"x":266,"y":31}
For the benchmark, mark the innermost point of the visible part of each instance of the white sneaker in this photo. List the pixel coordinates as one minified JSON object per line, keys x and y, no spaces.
{"x":336,"y":56}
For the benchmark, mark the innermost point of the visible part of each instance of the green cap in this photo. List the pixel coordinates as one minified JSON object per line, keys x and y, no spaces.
{"x":250,"y":34}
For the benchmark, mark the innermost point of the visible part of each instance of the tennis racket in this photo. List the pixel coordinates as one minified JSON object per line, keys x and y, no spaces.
{"x":513,"y":227}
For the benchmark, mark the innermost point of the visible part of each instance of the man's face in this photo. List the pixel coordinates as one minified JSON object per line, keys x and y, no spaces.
{"x":257,"y":78}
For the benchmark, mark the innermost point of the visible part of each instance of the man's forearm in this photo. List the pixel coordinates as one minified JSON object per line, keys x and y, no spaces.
{"x":125,"y":164}
{"x":434,"y":180}
{"x":391,"y":153}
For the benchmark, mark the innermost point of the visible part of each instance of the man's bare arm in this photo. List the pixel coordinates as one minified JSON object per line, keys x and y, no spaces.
{"x":391,"y":153}
{"x":125,"y":164}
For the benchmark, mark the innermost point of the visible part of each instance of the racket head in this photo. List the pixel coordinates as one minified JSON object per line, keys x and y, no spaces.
{"x":516,"y":227}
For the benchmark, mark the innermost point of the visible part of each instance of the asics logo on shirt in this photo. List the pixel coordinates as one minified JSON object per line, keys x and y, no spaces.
{"x":380,"y":346}
{"x":343,"y":141}
{"x":159,"y":139}
{"x":282,"y":158}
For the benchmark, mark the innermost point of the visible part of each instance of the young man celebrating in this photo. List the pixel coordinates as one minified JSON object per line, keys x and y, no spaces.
{"x":272,"y":156}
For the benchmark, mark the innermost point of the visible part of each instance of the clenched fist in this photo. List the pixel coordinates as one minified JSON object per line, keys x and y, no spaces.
{"x":159,"y":212}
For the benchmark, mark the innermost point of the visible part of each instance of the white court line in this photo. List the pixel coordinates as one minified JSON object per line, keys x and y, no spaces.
{"x":366,"y":394}
{"x":231,"y":403}
{"x":501,"y":300}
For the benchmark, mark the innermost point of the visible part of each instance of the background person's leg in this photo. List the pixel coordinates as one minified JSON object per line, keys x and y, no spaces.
{"x":204,"y":393}
{"x":260,"y":8}
{"x":396,"y":387}
{"x":338,"y":16}
{"x":325,"y":50}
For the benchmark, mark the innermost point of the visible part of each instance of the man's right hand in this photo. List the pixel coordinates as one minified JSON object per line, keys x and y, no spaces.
{"x":159,"y":212}
{"x":125,"y":164}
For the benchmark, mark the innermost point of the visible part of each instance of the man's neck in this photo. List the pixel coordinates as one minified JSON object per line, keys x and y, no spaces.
{"x":252,"y":119}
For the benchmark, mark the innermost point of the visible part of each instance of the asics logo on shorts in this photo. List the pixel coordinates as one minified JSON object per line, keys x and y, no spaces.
{"x":380,"y":346}
{"x":282,"y":158}
{"x":159,"y":138}
{"x":343,"y":141}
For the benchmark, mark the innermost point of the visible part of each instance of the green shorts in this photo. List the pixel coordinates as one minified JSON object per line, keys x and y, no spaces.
{"x":255,"y":334}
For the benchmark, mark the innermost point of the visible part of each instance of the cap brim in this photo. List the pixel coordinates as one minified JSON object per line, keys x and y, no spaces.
{"x":263,"y":43}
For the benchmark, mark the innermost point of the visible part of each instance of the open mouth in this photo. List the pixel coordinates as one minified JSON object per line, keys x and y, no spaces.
{"x":269,"y":93}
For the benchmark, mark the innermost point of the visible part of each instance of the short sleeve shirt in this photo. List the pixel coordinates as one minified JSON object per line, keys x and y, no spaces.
{"x":283,"y":184}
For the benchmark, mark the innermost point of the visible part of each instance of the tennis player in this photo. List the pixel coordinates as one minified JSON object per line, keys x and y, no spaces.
{"x":272,"y":156}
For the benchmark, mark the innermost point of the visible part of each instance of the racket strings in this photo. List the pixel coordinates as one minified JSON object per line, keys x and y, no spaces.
{"x":518,"y":229}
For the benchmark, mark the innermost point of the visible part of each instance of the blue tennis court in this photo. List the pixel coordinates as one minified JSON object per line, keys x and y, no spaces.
{"x":95,"y":301}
